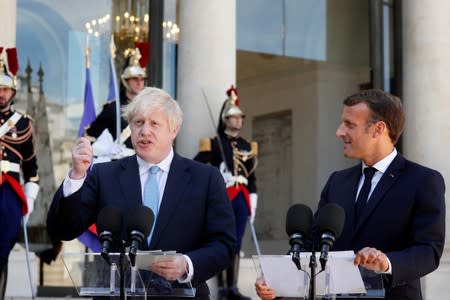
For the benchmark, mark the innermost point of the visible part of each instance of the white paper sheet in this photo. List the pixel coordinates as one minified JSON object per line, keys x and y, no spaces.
{"x":145,"y":259}
{"x":281,"y":274}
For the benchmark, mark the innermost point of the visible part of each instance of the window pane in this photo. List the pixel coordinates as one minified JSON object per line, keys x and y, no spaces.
{"x":259,"y":26}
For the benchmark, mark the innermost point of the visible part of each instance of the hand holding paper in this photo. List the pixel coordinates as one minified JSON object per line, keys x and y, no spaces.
{"x":170,"y":267}
{"x":372,"y":259}
{"x":263,"y":290}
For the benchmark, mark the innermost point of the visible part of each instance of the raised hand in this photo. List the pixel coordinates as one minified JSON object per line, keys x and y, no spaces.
{"x":81,"y":158}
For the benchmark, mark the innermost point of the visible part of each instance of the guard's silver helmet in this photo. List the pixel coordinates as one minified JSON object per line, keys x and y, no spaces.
{"x":231,"y":105}
{"x":133,"y":69}
{"x":6,"y":79}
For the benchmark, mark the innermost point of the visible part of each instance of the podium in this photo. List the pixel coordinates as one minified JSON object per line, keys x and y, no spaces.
{"x":93,"y":276}
{"x":340,"y":279}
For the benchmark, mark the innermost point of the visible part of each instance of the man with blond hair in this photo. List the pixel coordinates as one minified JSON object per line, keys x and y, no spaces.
{"x":193,"y":215}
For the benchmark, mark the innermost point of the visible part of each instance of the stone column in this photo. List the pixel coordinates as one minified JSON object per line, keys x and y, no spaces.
{"x":426,"y":59}
{"x":8,"y":23}
{"x":206,"y":67}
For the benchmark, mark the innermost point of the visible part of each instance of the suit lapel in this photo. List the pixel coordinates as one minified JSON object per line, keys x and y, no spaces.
{"x":387,"y":180}
{"x":177,"y":182}
{"x":130,"y":183}
{"x":349,"y":188}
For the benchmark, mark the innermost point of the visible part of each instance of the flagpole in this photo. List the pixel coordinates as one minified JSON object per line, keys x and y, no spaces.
{"x":112,"y":48}
{"x":89,"y":109}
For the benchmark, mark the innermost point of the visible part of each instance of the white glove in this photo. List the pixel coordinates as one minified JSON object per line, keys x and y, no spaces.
{"x":227,"y":176}
{"x":105,"y":146}
{"x":253,"y":204}
{"x":122,"y":151}
{"x":31,"y":192}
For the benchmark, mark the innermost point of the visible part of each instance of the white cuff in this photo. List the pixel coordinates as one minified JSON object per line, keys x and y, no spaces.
{"x":70,"y":185}
{"x":389,"y":270}
{"x":190,"y":271}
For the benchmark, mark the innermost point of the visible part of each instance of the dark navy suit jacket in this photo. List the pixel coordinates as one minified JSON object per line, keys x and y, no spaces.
{"x":195,"y":216}
{"x":404,"y":217}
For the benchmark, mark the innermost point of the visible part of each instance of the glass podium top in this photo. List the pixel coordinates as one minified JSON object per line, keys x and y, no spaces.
{"x":92,"y":275}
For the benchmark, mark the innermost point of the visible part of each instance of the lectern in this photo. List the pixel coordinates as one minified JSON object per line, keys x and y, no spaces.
{"x":340,"y":279}
{"x":92,"y":275}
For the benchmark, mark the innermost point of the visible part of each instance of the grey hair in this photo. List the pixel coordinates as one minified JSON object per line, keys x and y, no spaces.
{"x":150,"y":99}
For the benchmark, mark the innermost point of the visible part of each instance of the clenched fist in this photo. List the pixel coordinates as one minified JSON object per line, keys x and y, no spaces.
{"x":81,"y":158}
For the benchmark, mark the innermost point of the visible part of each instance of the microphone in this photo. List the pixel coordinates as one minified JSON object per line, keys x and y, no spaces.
{"x":141,"y":222}
{"x":109,"y":221}
{"x":298,"y":228}
{"x":330,"y":222}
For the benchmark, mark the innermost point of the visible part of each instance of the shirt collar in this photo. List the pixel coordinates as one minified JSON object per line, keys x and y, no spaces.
{"x":383,"y":164}
{"x":163,"y":165}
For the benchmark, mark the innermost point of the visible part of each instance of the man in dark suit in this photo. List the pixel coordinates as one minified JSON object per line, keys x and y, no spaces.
{"x":193,"y":217}
{"x":398,"y":230}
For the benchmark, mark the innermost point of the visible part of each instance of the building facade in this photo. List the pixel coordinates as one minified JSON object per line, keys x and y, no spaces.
{"x":292,"y":61}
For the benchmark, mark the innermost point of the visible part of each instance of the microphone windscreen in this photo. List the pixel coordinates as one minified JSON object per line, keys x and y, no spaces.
{"x":331,"y":217}
{"x":141,"y":219}
{"x":298,"y":219}
{"x":109,"y":219}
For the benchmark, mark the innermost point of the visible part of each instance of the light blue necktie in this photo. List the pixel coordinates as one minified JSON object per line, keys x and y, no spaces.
{"x":151,"y":195}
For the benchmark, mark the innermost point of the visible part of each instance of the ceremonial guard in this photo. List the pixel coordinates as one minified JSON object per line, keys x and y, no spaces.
{"x":17,"y":163}
{"x":133,"y":81}
{"x":236,"y":159}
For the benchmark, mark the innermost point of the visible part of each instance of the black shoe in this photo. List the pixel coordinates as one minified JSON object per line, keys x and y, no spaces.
{"x":234,"y":294}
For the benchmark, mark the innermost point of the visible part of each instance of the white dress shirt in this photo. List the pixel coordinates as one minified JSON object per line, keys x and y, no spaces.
{"x":381,"y":167}
{"x":71,"y":186}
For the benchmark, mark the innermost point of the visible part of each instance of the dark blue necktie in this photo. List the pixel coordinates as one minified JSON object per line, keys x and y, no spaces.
{"x":364,"y":192}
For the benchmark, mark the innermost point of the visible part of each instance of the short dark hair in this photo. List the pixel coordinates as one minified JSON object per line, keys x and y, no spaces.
{"x":383,"y":107}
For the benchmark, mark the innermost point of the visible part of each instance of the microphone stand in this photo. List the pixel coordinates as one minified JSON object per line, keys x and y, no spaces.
{"x":122,"y":271}
{"x":312,"y":280}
